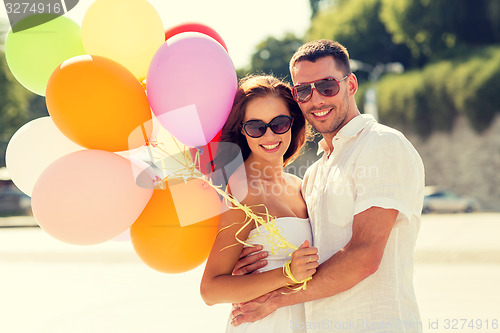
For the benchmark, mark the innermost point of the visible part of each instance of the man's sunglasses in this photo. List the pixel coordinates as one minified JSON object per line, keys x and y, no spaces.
{"x":257,"y":128}
{"x":328,"y":87}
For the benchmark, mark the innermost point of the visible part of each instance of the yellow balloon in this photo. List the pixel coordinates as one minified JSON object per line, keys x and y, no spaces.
{"x":126,"y":31}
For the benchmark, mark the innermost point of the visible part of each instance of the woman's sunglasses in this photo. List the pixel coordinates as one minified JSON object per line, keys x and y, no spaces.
{"x":328,"y":87}
{"x":257,"y":128}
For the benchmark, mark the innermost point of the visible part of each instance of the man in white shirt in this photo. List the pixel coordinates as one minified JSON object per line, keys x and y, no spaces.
{"x":364,"y":198}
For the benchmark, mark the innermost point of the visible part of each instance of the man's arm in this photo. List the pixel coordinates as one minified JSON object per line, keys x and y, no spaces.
{"x":359,"y":259}
{"x":251,"y":259}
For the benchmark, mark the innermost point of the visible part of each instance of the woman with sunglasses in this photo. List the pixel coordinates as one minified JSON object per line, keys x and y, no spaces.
{"x":267,"y":127}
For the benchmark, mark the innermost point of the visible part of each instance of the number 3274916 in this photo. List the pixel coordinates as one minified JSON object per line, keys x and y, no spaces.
{"x":33,"y":8}
{"x":474,"y":324}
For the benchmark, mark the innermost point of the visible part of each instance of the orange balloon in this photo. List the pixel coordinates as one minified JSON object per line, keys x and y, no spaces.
{"x":97,"y":103}
{"x":158,"y":237}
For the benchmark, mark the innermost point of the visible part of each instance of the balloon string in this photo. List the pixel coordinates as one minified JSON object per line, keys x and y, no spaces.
{"x":300,"y":285}
{"x":184,"y":162}
{"x":274,"y":237}
{"x":263,"y":220}
{"x":190,"y":170}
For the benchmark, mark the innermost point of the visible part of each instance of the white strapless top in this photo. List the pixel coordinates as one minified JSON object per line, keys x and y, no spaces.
{"x":294,"y":229}
{"x":288,"y":319}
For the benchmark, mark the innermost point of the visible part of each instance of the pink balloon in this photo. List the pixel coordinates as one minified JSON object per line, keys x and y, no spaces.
{"x":191,"y":86}
{"x":88,"y":197}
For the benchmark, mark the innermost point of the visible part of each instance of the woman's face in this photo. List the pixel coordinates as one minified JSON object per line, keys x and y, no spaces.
{"x":270,"y":146}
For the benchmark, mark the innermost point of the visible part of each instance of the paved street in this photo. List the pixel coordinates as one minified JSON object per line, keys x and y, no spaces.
{"x":51,"y":287}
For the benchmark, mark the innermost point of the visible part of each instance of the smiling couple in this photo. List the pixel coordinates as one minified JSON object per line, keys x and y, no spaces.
{"x":355,"y":230}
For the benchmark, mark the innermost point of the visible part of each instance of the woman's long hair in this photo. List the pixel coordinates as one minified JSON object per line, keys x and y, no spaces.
{"x":252,"y":87}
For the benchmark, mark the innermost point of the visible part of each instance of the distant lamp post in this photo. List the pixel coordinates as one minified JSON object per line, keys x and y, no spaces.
{"x":374,"y":74}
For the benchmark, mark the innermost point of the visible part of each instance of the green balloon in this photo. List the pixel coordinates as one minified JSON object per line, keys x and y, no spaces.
{"x":33,"y":54}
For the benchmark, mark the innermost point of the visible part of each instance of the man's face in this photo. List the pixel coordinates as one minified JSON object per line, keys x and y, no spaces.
{"x":326,"y":114}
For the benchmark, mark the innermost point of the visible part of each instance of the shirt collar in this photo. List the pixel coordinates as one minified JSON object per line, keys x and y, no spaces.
{"x":350,"y":130}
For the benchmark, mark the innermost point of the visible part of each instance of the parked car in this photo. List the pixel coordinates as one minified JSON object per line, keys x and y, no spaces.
{"x":442,"y":200}
{"x":14,"y":202}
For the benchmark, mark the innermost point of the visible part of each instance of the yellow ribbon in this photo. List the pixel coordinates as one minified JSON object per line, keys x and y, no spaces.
{"x":287,"y":271}
{"x":190,"y":170}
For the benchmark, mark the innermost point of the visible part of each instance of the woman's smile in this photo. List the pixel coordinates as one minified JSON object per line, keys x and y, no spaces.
{"x":271,"y":147}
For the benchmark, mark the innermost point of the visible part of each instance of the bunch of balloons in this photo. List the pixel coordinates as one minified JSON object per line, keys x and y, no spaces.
{"x":113,"y":88}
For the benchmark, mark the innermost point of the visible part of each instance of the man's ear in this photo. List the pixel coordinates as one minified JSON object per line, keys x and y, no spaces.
{"x":352,"y":84}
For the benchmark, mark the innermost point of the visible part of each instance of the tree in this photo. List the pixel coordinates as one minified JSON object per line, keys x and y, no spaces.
{"x":357,"y":25}
{"x":433,"y":28}
{"x":272,"y":55}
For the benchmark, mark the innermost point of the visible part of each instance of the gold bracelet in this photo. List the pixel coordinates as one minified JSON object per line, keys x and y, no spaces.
{"x":287,"y":271}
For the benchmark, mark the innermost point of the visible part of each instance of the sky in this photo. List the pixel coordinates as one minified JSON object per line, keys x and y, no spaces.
{"x":242,"y":24}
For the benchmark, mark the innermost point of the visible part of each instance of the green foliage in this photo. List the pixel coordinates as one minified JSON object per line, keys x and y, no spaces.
{"x":493,"y":16}
{"x":481,"y":80}
{"x":272,"y":55}
{"x":430,"y":28}
{"x":242,"y":72}
{"x":429,"y":100}
{"x":357,"y":25}
{"x":360,"y":94}
{"x":396,"y":102}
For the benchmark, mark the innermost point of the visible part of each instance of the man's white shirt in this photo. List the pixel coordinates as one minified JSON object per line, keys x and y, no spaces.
{"x":371,"y":165}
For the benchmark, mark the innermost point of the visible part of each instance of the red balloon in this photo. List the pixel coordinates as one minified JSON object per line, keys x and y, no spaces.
{"x":195,"y":27}
{"x":206,"y":154}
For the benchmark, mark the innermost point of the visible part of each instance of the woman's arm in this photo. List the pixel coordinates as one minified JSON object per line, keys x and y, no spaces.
{"x":356,"y":261}
{"x":219,"y":286}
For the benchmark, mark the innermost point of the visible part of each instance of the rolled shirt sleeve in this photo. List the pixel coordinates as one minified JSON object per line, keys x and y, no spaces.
{"x":388,"y":173}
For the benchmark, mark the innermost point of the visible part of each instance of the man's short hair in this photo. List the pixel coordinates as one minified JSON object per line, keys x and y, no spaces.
{"x":312,"y":51}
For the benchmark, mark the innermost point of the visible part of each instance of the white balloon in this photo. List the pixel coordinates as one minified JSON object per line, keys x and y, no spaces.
{"x":33,"y":148}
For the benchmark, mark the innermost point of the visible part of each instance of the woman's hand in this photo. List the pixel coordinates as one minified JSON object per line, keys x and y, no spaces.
{"x":304,"y":261}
